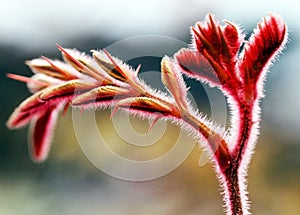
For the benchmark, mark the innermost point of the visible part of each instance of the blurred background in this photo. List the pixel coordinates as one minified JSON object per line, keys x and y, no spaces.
{"x":67,"y":183}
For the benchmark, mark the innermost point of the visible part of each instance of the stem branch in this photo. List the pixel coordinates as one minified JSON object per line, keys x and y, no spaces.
{"x":233,"y":193}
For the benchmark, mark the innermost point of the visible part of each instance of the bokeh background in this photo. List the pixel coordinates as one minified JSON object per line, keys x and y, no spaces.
{"x":67,"y":183}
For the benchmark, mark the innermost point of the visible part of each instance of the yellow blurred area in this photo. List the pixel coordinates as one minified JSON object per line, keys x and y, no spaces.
{"x":189,"y":189}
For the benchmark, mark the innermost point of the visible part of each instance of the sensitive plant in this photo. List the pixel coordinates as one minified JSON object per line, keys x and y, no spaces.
{"x":218,"y":56}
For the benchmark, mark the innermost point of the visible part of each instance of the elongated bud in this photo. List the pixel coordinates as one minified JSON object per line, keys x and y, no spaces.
{"x":114,"y":67}
{"x":67,"y":88}
{"x":172,"y":79}
{"x":195,"y":65}
{"x":118,"y":70}
{"x":101,"y":94}
{"x":145,"y":104}
{"x":83,"y":64}
{"x":109,"y":67}
{"x":266,"y":42}
{"x":53,"y":68}
{"x":21,"y":115}
{"x":41,"y":133}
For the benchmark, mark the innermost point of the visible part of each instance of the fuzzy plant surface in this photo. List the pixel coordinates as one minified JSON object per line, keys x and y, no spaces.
{"x":218,"y":56}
